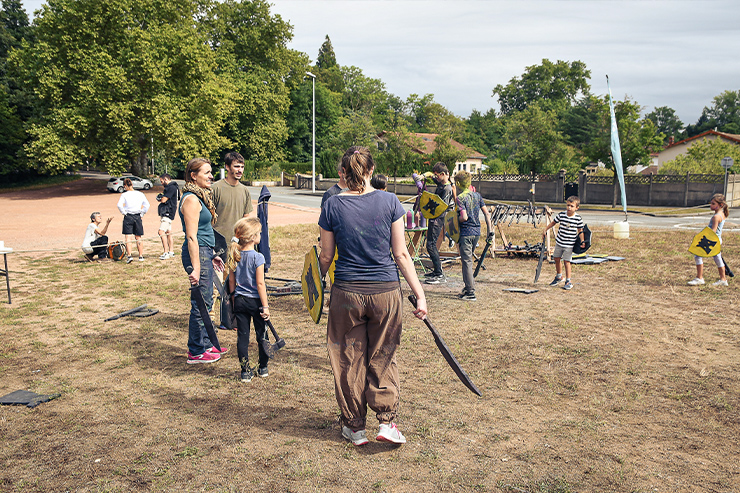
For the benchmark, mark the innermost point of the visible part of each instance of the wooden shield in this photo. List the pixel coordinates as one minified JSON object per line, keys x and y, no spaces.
{"x":431,"y":205}
{"x":705,"y":244}
{"x":452,"y":225}
{"x":313,"y":290}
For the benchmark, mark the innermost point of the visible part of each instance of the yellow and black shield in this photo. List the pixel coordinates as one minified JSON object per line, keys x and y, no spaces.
{"x":452,"y":225}
{"x":333,"y":266}
{"x":705,"y":244}
{"x":313,"y":291}
{"x":431,"y":205}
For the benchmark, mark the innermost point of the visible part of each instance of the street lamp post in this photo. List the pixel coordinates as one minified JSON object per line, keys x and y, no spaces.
{"x":727,"y":163}
{"x":313,"y":132}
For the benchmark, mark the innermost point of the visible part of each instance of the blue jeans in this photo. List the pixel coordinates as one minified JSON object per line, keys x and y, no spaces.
{"x":198,"y":341}
{"x":467,"y":247}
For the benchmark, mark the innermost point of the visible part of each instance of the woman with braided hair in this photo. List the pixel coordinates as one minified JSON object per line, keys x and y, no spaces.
{"x":364,"y":327}
{"x":198,"y":214}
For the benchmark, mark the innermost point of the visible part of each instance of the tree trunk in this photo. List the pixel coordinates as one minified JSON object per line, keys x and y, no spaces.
{"x":139,"y":167}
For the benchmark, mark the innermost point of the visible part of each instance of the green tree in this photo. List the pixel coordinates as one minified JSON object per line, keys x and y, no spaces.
{"x":328,"y":111}
{"x":704,"y":157}
{"x":326,"y":58}
{"x":250,"y":46}
{"x":16,"y":105}
{"x":353,"y":129}
{"x":396,"y":154}
{"x":361,"y":93}
{"x":446,"y":152}
{"x":113,"y":75}
{"x":483,"y":132}
{"x":552,"y":85}
{"x":724,"y":115}
{"x":666,"y":122}
{"x":534,"y":144}
{"x":638,"y":137}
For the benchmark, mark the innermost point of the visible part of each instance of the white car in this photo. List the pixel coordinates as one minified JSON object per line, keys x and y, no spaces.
{"x":116,"y":184}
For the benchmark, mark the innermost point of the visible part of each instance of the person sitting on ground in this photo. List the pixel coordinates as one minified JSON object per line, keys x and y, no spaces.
{"x":379,"y":182}
{"x":95,"y":241}
{"x":166,"y":210}
{"x":133,"y":204}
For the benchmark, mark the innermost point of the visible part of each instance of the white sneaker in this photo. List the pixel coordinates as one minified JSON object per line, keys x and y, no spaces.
{"x":164,"y":256}
{"x":171,"y":254}
{"x":389,"y":433}
{"x":721,"y":282}
{"x":357,"y":438}
{"x":696,"y":282}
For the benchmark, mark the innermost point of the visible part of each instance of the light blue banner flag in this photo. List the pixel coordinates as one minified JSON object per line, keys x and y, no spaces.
{"x":616,"y":149}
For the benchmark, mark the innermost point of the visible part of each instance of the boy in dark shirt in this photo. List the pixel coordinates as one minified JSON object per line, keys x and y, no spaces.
{"x":471,"y":205}
{"x":436,"y":226}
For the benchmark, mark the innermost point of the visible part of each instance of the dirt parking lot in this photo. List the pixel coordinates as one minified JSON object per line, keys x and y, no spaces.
{"x":55,"y":218}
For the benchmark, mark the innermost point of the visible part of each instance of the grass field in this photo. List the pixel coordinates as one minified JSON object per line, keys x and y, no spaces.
{"x":627,"y":383}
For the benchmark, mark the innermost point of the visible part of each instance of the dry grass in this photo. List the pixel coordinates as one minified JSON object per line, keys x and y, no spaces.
{"x":629,"y":382}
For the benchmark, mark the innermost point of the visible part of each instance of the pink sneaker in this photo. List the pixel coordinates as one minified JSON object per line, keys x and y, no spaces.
{"x":213,"y":350}
{"x":203,"y":358}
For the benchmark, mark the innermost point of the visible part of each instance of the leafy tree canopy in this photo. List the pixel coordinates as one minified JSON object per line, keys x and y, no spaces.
{"x":552,"y":85}
{"x":112,"y":75}
{"x":326,"y":58}
{"x":723,"y":114}
{"x":666,"y":122}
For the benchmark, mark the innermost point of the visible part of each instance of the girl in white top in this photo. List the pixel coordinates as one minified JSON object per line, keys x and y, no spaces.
{"x":721,"y":211}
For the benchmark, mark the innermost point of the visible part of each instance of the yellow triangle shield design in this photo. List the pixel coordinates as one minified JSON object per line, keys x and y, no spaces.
{"x":333,"y":266}
{"x":431,"y":205}
{"x":313,"y":290}
{"x":706,"y":243}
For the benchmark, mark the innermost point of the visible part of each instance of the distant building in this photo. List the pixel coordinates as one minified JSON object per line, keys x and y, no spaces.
{"x":473,"y":163}
{"x":675,"y":149}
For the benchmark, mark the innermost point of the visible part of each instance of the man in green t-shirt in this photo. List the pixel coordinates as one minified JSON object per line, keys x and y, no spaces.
{"x":232,"y":201}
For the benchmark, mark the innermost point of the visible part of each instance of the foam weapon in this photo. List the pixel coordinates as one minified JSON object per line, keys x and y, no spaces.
{"x":271,"y":349}
{"x":451,"y":360}
{"x":543,"y":254}
{"x":489,"y":241}
{"x":513,"y":214}
{"x":197,"y":296}
{"x":139,"y":311}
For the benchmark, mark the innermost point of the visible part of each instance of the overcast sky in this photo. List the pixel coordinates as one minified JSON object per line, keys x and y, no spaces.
{"x":659,"y":53}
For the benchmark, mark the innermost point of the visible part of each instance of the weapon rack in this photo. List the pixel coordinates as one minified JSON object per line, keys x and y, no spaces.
{"x":505,"y":218}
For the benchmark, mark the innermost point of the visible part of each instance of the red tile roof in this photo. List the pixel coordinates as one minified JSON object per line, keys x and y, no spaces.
{"x":733,"y":137}
{"x":429,"y":145}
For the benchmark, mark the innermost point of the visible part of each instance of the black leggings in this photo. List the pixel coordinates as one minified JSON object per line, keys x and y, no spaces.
{"x":246,"y":309}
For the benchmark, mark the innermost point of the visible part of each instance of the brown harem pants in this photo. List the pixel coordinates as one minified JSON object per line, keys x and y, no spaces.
{"x":363,"y":333}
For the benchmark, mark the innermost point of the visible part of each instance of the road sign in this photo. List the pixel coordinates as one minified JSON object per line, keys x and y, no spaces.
{"x":727,"y":162}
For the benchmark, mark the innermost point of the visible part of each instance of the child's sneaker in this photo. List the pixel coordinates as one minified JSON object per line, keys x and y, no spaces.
{"x":129,"y":260}
{"x":435,"y":280}
{"x":171,"y":254}
{"x":164,"y":256}
{"x":203,"y":358}
{"x":247,"y":375}
{"x":568,"y":285}
{"x":696,"y":282}
{"x":389,"y":433}
{"x":721,"y":282}
{"x":357,"y":438}
{"x":213,"y":349}
{"x":262,"y":372}
{"x":141,"y":259}
{"x":468,"y":296}
{"x":556,"y":281}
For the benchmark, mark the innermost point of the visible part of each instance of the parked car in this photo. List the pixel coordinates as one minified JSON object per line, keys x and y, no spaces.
{"x":116,"y":184}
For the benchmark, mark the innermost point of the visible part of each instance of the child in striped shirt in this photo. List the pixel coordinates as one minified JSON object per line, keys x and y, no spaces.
{"x":571,"y":228}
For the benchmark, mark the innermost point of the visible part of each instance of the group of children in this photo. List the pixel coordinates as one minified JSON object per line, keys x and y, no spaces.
{"x":248,"y":265}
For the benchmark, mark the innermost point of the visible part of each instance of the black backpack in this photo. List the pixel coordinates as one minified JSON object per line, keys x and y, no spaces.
{"x":586,"y":238}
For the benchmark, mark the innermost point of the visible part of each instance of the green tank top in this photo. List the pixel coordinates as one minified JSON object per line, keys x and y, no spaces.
{"x":205,"y":230}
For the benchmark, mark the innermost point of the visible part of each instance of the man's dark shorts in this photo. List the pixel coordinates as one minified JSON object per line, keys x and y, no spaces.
{"x":132,"y":225}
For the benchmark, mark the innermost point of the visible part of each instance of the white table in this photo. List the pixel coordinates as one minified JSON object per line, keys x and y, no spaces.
{"x":4,"y":252}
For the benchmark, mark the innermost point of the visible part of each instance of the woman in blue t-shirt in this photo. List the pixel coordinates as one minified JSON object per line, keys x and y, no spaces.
{"x":364,"y":328}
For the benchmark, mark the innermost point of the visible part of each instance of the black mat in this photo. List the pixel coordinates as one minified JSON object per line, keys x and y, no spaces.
{"x":26,"y":398}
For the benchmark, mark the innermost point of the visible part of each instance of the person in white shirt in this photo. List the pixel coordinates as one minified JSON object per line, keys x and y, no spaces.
{"x":133,"y":205}
{"x":95,"y":241}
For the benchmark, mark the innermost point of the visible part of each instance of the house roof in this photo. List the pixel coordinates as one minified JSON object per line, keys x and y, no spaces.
{"x":731,"y":137}
{"x":429,"y":145}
